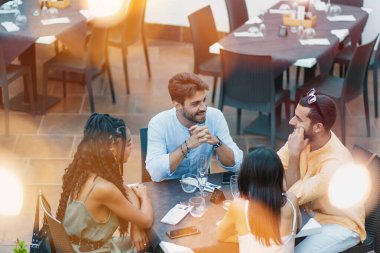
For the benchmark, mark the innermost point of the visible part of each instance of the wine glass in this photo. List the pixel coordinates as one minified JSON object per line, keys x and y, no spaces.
{"x":20,"y":19}
{"x":234,"y":186}
{"x":202,"y":174}
{"x":262,"y":26}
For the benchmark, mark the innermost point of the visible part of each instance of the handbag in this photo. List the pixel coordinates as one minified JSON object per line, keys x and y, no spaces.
{"x":40,"y":239}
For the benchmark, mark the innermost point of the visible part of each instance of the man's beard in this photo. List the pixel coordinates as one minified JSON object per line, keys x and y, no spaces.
{"x":308,"y":134}
{"x":192,"y":118}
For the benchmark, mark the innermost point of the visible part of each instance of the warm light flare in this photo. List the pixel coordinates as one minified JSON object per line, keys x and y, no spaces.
{"x":11,"y":193}
{"x":105,"y":8}
{"x":349,"y":186}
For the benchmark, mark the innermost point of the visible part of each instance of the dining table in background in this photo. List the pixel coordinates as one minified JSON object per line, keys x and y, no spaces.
{"x":22,"y":43}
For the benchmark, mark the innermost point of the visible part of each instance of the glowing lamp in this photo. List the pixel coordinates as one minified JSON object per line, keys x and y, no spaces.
{"x":11,"y":193}
{"x":349,"y":186}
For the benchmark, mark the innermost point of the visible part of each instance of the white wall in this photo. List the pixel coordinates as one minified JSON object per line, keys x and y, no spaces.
{"x":175,"y":12}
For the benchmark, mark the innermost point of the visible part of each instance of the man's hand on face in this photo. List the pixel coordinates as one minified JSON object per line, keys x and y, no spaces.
{"x":297,"y":141}
{"x":198,"y":135}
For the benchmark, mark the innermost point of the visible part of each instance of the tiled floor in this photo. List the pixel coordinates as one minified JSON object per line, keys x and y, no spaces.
{"x":40,"y":147}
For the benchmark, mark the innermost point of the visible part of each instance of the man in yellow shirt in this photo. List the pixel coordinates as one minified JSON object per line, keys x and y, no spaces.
{"x":310,"y":157}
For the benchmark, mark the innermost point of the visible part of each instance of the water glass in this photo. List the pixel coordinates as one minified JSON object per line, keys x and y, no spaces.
{"x":202,"y":181}
{"x":234,"y":186}
{"x":189,"y":183}
{"x":199,"y":206}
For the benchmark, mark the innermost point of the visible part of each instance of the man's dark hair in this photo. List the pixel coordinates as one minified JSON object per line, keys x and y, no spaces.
{"x":184,"y":85}
{"x":327,"y":113}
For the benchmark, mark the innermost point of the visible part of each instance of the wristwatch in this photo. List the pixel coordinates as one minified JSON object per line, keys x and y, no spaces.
{"x":218,"y":144}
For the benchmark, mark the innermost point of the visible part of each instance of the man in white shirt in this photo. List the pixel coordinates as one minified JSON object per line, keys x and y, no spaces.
{"x":177,"y":137}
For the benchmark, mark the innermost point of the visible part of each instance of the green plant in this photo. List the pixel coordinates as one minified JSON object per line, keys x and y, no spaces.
{"x":20,"y":247}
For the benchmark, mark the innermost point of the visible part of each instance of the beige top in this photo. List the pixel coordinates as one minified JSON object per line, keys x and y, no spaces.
{"x":79,"y":222}
{"x":316,"y":169}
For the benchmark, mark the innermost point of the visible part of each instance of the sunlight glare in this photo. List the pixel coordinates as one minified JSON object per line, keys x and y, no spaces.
{"x":104,"y":8}
{"x":11,"y":193}
{"x":349,"y":186}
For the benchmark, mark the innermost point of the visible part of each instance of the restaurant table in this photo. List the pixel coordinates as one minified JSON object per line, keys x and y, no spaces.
{"x":286,"y":51}
{"x":165,"y":195}
{"x":22,"y":43}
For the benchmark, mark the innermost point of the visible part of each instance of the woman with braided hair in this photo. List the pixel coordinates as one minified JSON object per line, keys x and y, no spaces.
{"x":94,"y":200}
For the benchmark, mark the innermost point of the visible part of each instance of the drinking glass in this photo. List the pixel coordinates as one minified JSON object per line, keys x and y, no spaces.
{"x":262,"y":26}
{"x":199,"y":206}
{"x":189,"y":183}
{"x":202,"y":174}
{"x":234,"y":186}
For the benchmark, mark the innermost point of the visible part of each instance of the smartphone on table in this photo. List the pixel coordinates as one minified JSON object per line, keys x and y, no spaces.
{"x":172,"y":234}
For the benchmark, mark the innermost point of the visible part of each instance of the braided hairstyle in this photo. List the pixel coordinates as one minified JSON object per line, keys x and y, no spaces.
{"x":93,"y":155}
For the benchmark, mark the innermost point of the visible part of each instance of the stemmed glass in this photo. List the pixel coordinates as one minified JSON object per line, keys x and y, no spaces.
{"x":234,"y":186}
{"x":262,"y":26}
{"x":20,"y":19}
{"x":202,"y":174}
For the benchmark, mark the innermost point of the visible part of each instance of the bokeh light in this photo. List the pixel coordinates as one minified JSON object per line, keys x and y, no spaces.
{"x":104,"y":8}
{"x":11,"y":193}
{"x":349,"y":186}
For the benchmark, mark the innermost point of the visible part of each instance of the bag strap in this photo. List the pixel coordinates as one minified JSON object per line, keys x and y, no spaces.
{"x":36,"y":228}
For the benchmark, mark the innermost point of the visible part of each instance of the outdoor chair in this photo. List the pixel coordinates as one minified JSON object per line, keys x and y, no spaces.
{"x":237,"y":13}
{"x":343,"y":90}
{"x":59,"y":240}
{"x":248,"y":83}
{"x":7,"y":75}
{"x":203,"y":37}
{"x":145,"y":177}
{"x":128,"y":33}
{"x":372,"y":220}
{"x":93,"y":64}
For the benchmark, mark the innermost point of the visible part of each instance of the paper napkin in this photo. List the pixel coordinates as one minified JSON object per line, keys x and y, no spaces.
{"x":3,"y":11}
{"x":87,"y":14}
{"x":340,"y":33}
{"x":279,"y":11}
{"x":215,"y":48}
{"x":52,"y":21}
{"x":10,"y":26}
{"x":169,"y":247}
{"x":176,"y":214}
{"x":306,"y":63}
{"x":46,"y":40}
{"x":310,"y":42}
{"x":254,"y":20}
{"x":210,"y":187}
{"x":248,"y":34}
{"x":368,"y":10}
{"x":342,"y":18}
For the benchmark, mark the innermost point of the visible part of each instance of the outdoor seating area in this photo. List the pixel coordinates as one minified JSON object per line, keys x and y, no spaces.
{"x":54,"y":77}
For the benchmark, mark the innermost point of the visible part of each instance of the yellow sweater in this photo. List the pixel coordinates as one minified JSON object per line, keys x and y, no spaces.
{"x":316,"y":169}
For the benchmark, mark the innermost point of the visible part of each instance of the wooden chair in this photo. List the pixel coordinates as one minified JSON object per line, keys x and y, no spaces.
{"x":237,"y":13}
{"x":7,"y":75}
{"x":145,"y":176}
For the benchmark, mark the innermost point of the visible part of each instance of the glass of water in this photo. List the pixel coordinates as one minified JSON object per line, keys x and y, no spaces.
{"x":199,"y":206}
{"x":234,"y":186}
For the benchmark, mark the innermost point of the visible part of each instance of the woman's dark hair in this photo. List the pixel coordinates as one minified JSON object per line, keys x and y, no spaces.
{"x":261,"y":182}
{"x":93,"y":155}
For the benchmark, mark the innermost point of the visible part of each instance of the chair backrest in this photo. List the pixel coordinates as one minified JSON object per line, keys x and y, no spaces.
{"x":372,"y":221}
{"x":354,"y":82}
{"x":203,"y":33}
{"x":134,"y":21}
{"x":56,"y":231}
{"x":237,"y":13}
{"x":247,"y":81}
{"x":145,"y":176}
{"x":96,"y":50}
{"x":355,"y":3}
{"x":3,"y":70}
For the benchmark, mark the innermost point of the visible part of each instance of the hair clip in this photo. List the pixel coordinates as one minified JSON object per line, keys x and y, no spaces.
{"x":311,"y":97}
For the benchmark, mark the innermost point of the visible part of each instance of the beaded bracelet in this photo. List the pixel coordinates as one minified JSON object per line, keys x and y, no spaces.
{"x":187,"y":147}
{"x":183,"y":153}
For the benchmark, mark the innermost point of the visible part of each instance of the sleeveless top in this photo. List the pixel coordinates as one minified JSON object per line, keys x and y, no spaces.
{"x":79,"y":222}
{"x":248,"y":242}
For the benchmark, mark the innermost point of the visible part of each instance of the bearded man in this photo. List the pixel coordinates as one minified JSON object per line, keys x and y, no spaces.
{"x":179,"y":136}
{"x":310,"y":157}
